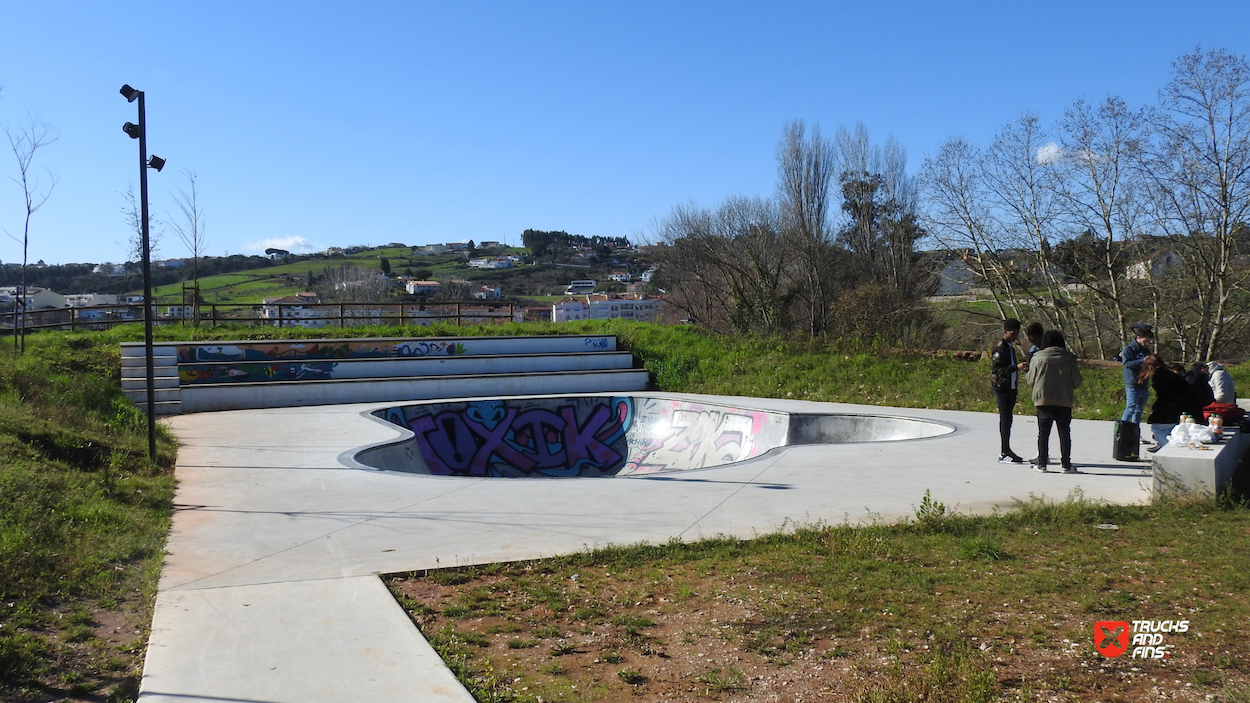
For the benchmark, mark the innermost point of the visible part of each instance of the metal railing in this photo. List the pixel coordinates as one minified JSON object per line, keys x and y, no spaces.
{"x":309,"y":315}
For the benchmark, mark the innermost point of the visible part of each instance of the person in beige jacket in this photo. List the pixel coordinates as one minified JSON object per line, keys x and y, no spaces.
{"x":1055,"y":376}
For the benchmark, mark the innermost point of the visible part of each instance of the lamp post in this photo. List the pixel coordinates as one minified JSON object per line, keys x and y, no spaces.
{"x":139,"y":131}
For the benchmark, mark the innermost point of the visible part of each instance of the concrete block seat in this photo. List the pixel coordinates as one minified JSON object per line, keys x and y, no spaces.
{"x":233,"y":375}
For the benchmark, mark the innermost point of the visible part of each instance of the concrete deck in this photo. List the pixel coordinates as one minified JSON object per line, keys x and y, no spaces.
{"x":270,"y":589}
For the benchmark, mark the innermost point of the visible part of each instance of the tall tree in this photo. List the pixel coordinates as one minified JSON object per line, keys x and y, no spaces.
{"x":879,"y":199}
{"x":959,"y":216}
{"x":1101,"y":195}
{"x":1198,"y":167}
{"x":1020,"y":171}
{"x":806,"y":168}
{"x":25,"y":142}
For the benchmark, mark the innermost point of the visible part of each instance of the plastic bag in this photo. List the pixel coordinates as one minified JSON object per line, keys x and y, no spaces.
{"x":1190,"y":433}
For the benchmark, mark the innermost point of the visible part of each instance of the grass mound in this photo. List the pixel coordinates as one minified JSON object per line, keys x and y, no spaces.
{"x":83,"y":515}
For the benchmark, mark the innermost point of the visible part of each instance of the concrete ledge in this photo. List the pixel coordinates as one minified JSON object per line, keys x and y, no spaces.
{"x":1183,"y":472}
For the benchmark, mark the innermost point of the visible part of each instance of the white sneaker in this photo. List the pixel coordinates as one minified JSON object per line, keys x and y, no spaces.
{"x":1039,"y":467}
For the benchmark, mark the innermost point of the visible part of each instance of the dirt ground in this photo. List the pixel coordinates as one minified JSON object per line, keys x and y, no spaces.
{"x":705,"y":649}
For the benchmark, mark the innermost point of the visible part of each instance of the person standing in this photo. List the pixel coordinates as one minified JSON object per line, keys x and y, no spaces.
{"x":1034,"y":333}
{"x":1005,"y":371}
{"x":1055,"y":376}
{"x":1136,"y":393}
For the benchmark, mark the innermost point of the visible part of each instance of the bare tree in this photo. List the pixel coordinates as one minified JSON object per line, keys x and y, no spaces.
{"x":1198,"y":167}
{"x":1020,"y":170}
{"x":806,"y":167}
{"x":132,"y":214}
{"x":959,"y":216}
{"x":25,"y":142}
{"x":190,"y":228}
{"x":728,"y":268}
{"x":1101,"y":194}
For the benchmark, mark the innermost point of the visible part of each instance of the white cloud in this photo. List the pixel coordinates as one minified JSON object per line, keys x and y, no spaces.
{"x":1050,"y":153}
{"x":298,"y":245}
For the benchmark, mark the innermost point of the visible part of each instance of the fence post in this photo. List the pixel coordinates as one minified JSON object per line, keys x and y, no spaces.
{"x":341,"y":317}
{"x":458,"y":324}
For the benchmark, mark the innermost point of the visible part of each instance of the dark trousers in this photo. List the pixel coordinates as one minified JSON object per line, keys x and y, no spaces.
{"x":1006,"y":405}
{"x":1048,"y":415}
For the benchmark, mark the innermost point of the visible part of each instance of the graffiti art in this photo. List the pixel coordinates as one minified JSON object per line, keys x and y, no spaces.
{"x":599,"y":436}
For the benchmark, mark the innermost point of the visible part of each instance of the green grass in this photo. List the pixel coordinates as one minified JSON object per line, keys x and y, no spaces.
{"x":83,"y":515}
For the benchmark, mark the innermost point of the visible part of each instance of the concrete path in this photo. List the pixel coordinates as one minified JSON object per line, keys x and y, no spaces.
{"x":270,"y":591}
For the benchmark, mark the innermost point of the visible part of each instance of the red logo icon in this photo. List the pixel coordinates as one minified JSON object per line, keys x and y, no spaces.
{"x":1111,"y":637}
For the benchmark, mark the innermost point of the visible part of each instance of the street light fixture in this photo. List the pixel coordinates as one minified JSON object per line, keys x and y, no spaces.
{"x":139,"y":131}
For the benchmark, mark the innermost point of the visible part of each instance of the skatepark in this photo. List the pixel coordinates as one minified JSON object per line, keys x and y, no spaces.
{"x":285,"y":516}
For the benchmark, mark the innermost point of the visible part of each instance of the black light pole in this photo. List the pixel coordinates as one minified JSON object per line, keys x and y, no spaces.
{"x":139,"y":132}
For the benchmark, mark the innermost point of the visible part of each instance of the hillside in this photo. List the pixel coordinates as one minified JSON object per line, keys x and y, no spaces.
{"x":540,"y":281}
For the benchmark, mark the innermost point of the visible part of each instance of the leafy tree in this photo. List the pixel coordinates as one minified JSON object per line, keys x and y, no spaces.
{"x":385,"y":265}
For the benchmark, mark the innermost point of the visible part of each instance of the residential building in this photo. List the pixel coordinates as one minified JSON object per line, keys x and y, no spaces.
{"x":293,"y":311}
{"x":570,"y":309}
{"x":488,"y":292}
{"x":423,"y":287}
{"x":620,"y":276}
{"x":629,"y":306}
{"x":1154,"y":266}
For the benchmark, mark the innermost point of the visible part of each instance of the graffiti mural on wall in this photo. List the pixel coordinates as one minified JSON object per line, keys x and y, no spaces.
{"x":277,"y":351}
{"x":251,"y":373}
{"x":573,"y":437}
{"x":584,"y":436}
{"x":670,"y":435}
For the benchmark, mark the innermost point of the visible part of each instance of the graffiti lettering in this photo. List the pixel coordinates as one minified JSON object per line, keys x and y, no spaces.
{"x":584,"y":436}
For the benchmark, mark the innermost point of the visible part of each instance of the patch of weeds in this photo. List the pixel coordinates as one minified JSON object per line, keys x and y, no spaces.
{"x":476,"y":639}
{"x":457,"y":611}
{"x":630,"y":621}
{"x":563,"y":648}
{"x":633,"y":677}
{"x":716,"y":682}
{"x":930,"y":514}
{"x":613,"y":658}
{"x":982,"y":547}
{"x":555,"y":669}
{"x":589,"y":613}
{"x":522,"y":644}
{"x":547,"y":632}
{"x":503,"y":628}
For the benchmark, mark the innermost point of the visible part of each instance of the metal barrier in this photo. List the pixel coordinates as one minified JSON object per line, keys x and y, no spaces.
{"x":303,"y":315}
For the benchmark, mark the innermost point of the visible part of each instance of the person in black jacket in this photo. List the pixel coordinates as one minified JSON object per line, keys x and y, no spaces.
{"x":1173,"y":396}
{"x":1005,"y":368}
{"x":1199,"y":380}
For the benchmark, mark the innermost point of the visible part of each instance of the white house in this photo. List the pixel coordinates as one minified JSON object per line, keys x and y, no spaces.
{"x":570,"y":309}
{"x":620,"y":276}
{"x":1154,"y":266}
{"x":423,"y":287}
{"x":292,"y":311}
{"x":488,"y":293}
{"x":85,"y":300}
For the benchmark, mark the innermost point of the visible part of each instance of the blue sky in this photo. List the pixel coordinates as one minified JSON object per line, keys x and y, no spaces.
{"x":317,"y":124}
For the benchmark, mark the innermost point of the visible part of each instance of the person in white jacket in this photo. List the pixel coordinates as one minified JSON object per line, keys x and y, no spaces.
{"x":1221,"y":383}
